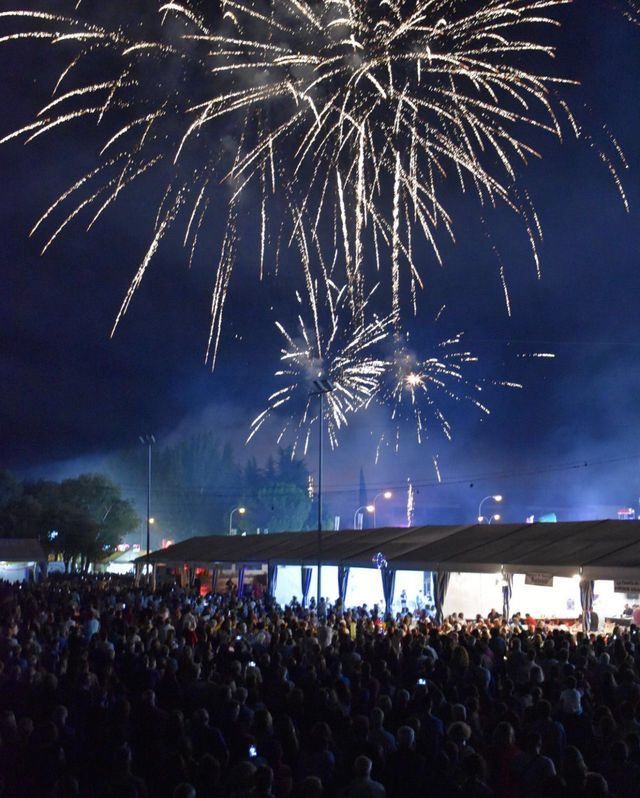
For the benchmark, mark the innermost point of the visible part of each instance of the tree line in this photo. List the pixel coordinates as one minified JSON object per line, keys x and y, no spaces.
{"x":79,"y":520}
{"x":195,"y":484}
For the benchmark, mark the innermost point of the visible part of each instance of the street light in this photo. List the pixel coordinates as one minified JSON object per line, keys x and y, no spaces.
{"x":241,"y":510}
{"x":481,"y":518}
{"x":322,"y":386}
{"x":368,"y":507}
{"x":151,"y":521}
{"x":385,"y":494}
{"x":148,"y":441}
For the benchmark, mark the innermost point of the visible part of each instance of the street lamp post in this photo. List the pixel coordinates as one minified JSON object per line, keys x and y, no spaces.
{"x":385,"y":494}
{"x":368,"y":507}
{"x":489,"y":519}
{"x":241,"y":510}
{"x":322,"y":386}
{"x":148,"y":441}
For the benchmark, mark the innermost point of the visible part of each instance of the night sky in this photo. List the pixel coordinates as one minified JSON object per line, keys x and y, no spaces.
{"x":569,"y":442}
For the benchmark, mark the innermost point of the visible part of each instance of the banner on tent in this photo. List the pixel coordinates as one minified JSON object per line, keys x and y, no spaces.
{"x":626,"y":585}
{"x":540,"y":580}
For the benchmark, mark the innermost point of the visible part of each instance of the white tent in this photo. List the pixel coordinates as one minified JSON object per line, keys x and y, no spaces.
{"x":559,"y":555}
{"x":20,"y":558}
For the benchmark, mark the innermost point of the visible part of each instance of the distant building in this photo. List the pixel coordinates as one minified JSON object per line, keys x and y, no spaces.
{"x":546,"y":518}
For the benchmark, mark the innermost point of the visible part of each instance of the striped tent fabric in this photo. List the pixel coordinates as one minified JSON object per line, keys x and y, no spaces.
{"x":305,"y":577}
{"x":241,"y":571}
{"x":586,"y":602}
{"x":507,"y":592}
{"x":440,"y":585}
{"x":388,"y":576}
{"x":343,"y":582}
{"x":272,"y":579}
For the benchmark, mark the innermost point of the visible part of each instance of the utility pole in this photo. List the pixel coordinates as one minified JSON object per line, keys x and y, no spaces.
{"x":148,"y":441}
{"x":322,"y":386}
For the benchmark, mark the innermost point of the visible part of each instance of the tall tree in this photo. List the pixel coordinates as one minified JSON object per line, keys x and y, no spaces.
{"x":291,"y":470}
{"x":285,"y":507}
{"x":196,"y":482}
{"x":21,"y":518}
{"x":81,"y":518}
{"x":10,"y":487}
{"x":93,"y":502}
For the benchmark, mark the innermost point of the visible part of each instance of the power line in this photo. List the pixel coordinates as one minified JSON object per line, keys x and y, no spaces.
{"x":344,"y":488}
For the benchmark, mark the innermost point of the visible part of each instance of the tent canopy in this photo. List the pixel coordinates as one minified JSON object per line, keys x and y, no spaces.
{"x":21,"y":550}
{"x":597,"y":549}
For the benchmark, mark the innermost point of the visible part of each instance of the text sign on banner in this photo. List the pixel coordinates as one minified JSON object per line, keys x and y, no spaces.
{"x":626,"y":585}
{"x":540,"y":580}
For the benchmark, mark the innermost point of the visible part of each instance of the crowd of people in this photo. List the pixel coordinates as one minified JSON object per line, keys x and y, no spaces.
{"x":111,"y":690}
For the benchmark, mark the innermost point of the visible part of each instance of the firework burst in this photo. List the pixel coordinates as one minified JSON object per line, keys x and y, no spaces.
{"x":349,"y":115}
{"x":346,"y":357}
{"x":418,"y":389}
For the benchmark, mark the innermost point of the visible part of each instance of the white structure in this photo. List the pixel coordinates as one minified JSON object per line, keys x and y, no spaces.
{"x":552,"y":570}
{"x":21,"y":559}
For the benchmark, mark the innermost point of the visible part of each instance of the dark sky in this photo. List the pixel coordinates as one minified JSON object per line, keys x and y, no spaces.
{"x":569,"y":442}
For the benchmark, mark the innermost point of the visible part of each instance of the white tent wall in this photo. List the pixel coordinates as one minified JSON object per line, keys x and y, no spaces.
{"x":122,"y":568}
{"x":412,"y":582}
{"x":329,"y":585}
{"x":365,"y":587}
{"x":469,"y":593}
{"x":606,"y":602}
{"x":289,"y":583}
{"x":15,"y":572}
{"x":472,"y":594}
{"x":478,"y":593}
{"x":560,"y":601}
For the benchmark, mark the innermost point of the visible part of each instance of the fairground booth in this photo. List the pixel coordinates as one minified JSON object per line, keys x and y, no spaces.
{"x":565,"y":573}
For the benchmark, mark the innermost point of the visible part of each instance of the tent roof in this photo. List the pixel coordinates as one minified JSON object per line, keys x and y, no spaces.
{"x":602,"y":549}
{"x":21,"y":550}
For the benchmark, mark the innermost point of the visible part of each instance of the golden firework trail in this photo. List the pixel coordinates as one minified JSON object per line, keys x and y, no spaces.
{"x":411,"y":503}
{"x":351,"y":115}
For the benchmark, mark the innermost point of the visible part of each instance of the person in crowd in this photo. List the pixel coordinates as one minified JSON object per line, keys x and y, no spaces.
{"x":109,"y":689}
{"x":531,"y":770}
{"x":363,"y":786}
{"x":570,"y":699}
{"x":405,"y":769}
{"x":473,"y":778}
{"x":500,"y":756}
